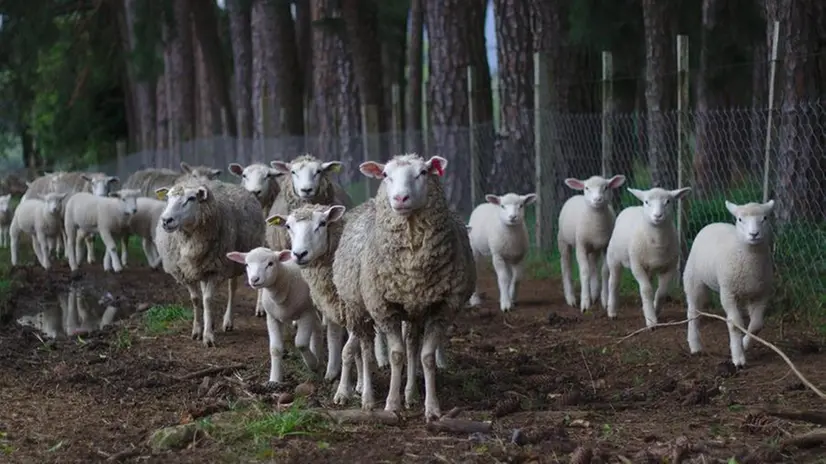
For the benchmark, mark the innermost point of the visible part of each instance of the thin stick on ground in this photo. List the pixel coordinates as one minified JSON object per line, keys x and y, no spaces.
{"x":814,"y":417}
{"x":648,"y":329}
{"x":587,"y":368}
{"x":211,"y":371}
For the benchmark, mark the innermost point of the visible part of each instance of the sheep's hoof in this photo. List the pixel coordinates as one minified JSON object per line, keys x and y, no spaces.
{"x":331,"y":376}
{"x":341,"y":397}
{"x":228,"y":326}
{"x":209,"y":340}
{"x":260,"y":314}
{"x":432,"y":414}
{"x":411,"y":402}
{"x":271,"y":385}
{"x":196,"y":335}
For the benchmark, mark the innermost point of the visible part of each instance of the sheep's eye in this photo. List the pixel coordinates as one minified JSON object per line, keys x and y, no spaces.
{"x":586,"y":188}
{"x":292,"y":172}
{"x":384,"y":174}
{"x":423,"y":173}
{"x":269,"y":264}
{"x":243,"y":176}
{"x":318,"y":172}
{"x":665,"y":202}
{"x":739,"y":219}
{"x":322,"y":223}
{"x":287,"y":226}
{"x":645,"y":202}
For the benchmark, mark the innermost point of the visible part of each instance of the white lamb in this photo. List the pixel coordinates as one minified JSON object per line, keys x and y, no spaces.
{"x":108,"y":217}
{"x":736,"y":262}
{"x":497,"y":230}
{"x":285,"y":297}
{"x":260,"y":180}
{"x":646,"y":241}
{"x":40,"y":220}
{"x":585,"y":223}
{"x":6,"y":214}
{"x":144,"y":224}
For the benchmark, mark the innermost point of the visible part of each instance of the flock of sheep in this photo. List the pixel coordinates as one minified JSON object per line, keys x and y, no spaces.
{"x":391,"y":273}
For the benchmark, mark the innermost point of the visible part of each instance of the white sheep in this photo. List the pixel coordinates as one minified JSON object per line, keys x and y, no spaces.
{"x":6,"y":214}
{"x":736,"y":262}
{"x":144,"y":224}
{"x":285,"y":298}
{"x":260,"y":180}
{"x":645,"y":240}
{"x":497,"y":230}
{"x":108,"y":217}
{"x":40,"y":220}
{"x":585,"y":223}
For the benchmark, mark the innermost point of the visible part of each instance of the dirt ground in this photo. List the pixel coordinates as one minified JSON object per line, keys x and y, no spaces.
{"x":550,"y":379}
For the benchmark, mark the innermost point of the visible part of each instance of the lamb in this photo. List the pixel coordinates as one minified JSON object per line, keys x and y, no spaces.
{"x":286,"y":297}
{"x":645,"y":240}
{"x":151,"y":179}
{"x":202,"y":222}
{"x":6,"y":214}
{"x":413,"y":261}
{"x":144,"y":224}
{"x":736,"y":262}
{"x":260,"y":180}
{"x":498,"y":230}
{"x":586,"y":222}
{"x":107,"y":216}
{"x":40,"y":219}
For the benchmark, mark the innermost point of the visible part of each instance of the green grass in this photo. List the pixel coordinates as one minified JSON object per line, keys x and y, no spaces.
{"x":162,"y":319}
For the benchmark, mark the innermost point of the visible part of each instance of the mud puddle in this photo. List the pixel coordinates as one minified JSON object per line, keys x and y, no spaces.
{"x":75,"y":311}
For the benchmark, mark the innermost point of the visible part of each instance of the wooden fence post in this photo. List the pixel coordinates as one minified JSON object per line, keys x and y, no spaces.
{"x":683,"y":137}
{"x":543,"y":155}
{"x":370,"y":142}
{"x":472,"y":148}
{"x":769,"y":117}
{"x":607,"y":113}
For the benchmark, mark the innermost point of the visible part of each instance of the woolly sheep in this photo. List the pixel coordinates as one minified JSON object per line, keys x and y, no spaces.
{"x":260,"y":180}
{"x":316,"y":231}
{"x":202,"y":222}
{"x":586,"y":222}
{"x":107,"y":216}
{"x":286,"y":297}
{"x":499,"y":232}
{"x":6,"y":214}
{"x":417,"y":265}
{"x":736,"y":262}
{"x":144,"y":224}
{"x":40,"y":220}
{"x":148,"y":181}
{"x":645,"y":240}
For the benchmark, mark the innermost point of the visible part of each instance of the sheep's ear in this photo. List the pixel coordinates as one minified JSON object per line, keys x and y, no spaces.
{"x":215,"y":173}
{"x":372,"y":169}
{"x":575,"y":183}
{"x":86,"y":178}
{"x":59,"y":195}
{"x":679,"y":193}
{"x":281,"y":166}
{"x":237,"y":256}
{"x":334,"y":213}
{"x":274,"y":173}
{"x":732,"y":208}
{"x":332,"y":166}
{"x":284,"y":255}
{"x":235,"y":168}
{"x":528,"y":199}
{"x":160,"y":193}
{"x":201,"y":194}
{"x":277,"y":220}
{"x":491,"y":198}
{"x":616,"y":181}
{"x":769,"y":205}
{"x":637,"y":193}
{"x":436,"y":165}
{"x":112,"y":179}
{"x":185,"y":167}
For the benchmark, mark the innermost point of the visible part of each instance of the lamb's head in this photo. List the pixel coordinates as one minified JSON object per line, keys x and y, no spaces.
{"x":596,"y":189}
{"x":308,"y":227}
{"x":511,"y":206}
{"x":128,"y":200}
{"x":101,"y":184}
{"x":182,"y":206}
{"x":200,"y":172}
{"x":257,"y":179}
{"x":658,"y":204}
{"x":262,"y":264}
{"x":54,"y":202}
{"x":753,"y":225}
{"x":405,"y":180}
{"x":5,"y":203}
{"x":307,"y":174}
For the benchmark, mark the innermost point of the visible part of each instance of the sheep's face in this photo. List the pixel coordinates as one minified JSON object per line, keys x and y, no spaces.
{"x":405,"y":180}
{"x":596,"y":190}
{"x":200,"y":172}
{"x":308,"y":232}
{"x":752,"y":221}
{"x":657,"y":203}
{"x":128,"y":200}
{"x":261,"y":265}
{"x":255,"y":178}
{"x":54,"y":202}
{"x":5,"y":203}
{"x":182,"y":204}
{"x":306,"y":175}
{"x":511,"y":206}
{"x":101,"y":185}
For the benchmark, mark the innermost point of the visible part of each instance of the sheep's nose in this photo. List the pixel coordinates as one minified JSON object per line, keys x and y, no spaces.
{"x":512,"y":217}
{"x":166,"y":221}
{"x":401,"y":198}
{"x":658,"y":216}
{"x":754,"y":234}
{"x":256,"y":193}
{"x":299,"y":255}
{"x":307,"y":191}
{"x":255,"y":280}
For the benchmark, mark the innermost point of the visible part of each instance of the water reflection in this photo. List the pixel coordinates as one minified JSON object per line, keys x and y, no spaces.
{"x":76,"y":311}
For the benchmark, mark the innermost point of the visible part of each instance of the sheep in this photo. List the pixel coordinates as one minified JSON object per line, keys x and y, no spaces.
{"x":107,"y":216}
{"x":151,"y":179}
{"x":6,"y":214}
{"x":260,"y":180}
{"x":202,"y":222}
{"x":646,"y":241}
{"x":498,"y":230}
{"x":416,"y":264}
{"x":736,"y":262}
{"x":144,"y":224}
{"x":286,"y":297}
{"x":585,"y":223}
{"x":40,"y":219}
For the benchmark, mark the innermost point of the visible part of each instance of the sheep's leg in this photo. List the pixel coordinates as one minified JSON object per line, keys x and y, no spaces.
{"x":14,"y":242}
{"x":316,"y":340}
{"x":39,"y":248}
{"x":663,"y":286}
{"x":756,"y":311}
{"x":90,"y":248}
{"x":395,"y":346}
{"x":475,"y":299}
{"x":516,"y":274}
{"x":586,"y":268}
{"x":124,"y":249}
{"x":596,"y":282}
{"x":111,"y":249}
{"x":357,"y":360}
{"x":232,"y":286}
{"x":696,"y":296}
{"x":276,"y":348}
{"x":334,"y":348}
{"x":430,"y":342}
{"x":107,"y":261}
{"x":146,"y":245}
{"x":343,"y":392}
{"x":646,"y":293}
{"x":208,"y":296}
{"x":71,"y":247}
{"x":306,"y":327}
{"x":441,"y":361}
{"x":503,"y":277}
{"x":44,"y":249}
{"x":567,"y":270}
{"x":606,"y":275}
{"x":195,"y":299}
{"x":413,"y":342}
{"x":380,"y":348}
{"x":733,"y":316}
{"x":368,"y":397}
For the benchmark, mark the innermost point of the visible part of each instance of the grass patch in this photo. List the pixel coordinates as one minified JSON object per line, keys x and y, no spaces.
{"x":164,"y":318}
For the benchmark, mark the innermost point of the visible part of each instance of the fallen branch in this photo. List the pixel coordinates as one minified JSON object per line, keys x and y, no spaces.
{"x":211,"y":371}
{"x":134,"y":451}
{"x":358,"y":416}
{"x":459,"y":426}
{"x":453,"y":413}
{"x":648,"y":329}
{"x":814,"y":417}
{"x":807,"y":440}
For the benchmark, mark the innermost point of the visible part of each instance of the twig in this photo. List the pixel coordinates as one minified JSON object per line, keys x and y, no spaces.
{"x":211,"y":371}
{"x":646,"y":329}
{"x":459,"y":426}
{"x":593,"y":384}
{"x":814,"y":417}
{"x":358,"y":416}
{"x":777,"y":350}
{"x":807,"y":440}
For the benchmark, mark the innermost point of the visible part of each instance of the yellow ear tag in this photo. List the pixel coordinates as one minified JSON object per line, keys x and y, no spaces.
{"x":336,"y":168}
{"x":275,"y":221}
{"x":161,"y":195}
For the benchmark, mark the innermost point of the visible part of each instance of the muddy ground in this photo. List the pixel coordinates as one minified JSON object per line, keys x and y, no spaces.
{"x":549,"y":378}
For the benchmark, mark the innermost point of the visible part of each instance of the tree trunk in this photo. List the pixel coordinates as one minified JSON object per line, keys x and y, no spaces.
{"x":415,"y":61}
{"x":181,"y":74}
{"x":304,"y":45}
{"x":259,"y":84}
{"x":456,"y":39}
{"x":240,"y":25}
{"x":161,"y":115}
{"x":801,"y":166}
{"x":760,"y":92}
{"x":206,"y":28}
{"x":207,"y":108}
{"x":143,"y":90}
{"x":361,"y":25}
{"x":660,"y":91}
{"x":514,"y":153}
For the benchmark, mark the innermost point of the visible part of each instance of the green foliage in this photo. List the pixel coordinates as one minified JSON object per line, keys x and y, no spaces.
{"x":161,"y":319}
{"x":146,"y":58}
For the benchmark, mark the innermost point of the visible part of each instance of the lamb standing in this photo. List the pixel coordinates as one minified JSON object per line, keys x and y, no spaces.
{"x":40,"y":219}
{"x":144,"y":224}
{"x":646,"y":241}
{"x":286,"y":297}
{"x":202,"y":222}
{"x":736,"y":262}
{"x":6,"y":214}
{"x":586,"y":222}
{"x":498,"y":231}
